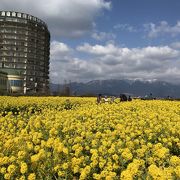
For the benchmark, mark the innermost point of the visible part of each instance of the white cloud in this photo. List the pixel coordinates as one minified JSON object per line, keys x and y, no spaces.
{"x":98,"y":49}
{"x":162,"y":28}
{"x":111,"y":61}
{"x":101,"y":36}
{"x":125,"y":27}
{"x":111,"y":49}
{"x":59,"y":48}
{"x":72,"y":18}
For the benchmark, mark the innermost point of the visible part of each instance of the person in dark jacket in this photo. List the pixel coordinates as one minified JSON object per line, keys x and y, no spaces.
{"x":129,"y":98}
{"x":99,"y":98}
{"x":123,"y":97}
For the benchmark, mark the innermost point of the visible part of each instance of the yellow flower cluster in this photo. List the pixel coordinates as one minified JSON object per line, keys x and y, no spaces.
{"x":56,"y":138}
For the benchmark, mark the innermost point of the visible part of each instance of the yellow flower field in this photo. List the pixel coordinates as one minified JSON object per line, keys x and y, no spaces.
{"x":56,"y":138}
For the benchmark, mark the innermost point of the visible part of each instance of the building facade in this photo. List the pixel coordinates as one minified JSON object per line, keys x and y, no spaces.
{"x":25,"y":48}
{"x":3,"y":83}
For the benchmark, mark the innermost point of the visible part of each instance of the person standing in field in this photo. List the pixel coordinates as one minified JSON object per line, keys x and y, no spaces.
{"x":123,"y":97}
{"x":129,"y":98}
{"x":99,"y":98}
{"x":106,"y":100}
{"x":112,"y":99}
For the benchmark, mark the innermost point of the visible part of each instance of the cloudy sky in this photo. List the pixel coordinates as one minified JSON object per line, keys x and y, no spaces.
{"x":109,"y":39}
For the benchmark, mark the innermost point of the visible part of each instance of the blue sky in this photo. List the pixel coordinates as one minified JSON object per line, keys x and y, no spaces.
{"x":112,"y":39}
{"x":126,"y":20}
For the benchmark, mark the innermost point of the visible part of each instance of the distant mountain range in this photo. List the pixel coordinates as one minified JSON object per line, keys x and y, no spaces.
{"x":116,"y":87}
